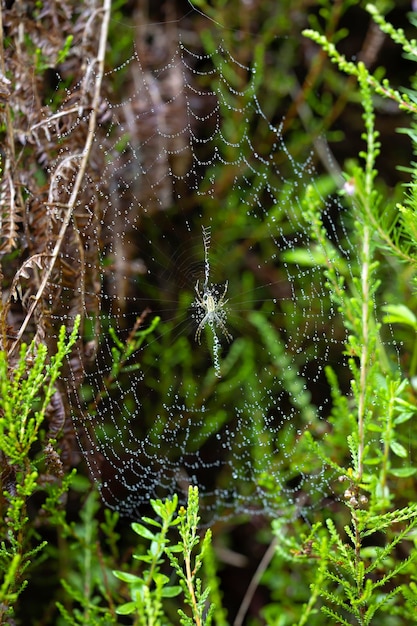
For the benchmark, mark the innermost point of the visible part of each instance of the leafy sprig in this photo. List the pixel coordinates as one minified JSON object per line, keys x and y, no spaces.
{"x":26,"y":390}
{"x":149,"y":590}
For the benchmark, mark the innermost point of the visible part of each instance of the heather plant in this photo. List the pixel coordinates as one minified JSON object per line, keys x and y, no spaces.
{"x":30,"y":458}
{"x":358,"y":577}
{"x":348,"y":561}
{"x":305,"y":416}
{"x":150,"y":588}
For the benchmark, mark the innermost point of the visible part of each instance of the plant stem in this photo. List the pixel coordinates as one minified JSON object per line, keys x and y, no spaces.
{"x":364,"y":356}
{"x":191,"y":587}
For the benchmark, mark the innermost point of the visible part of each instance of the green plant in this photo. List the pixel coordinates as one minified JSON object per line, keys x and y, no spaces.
{"x":356,"y":563}
{"x":87,"y":547}
{"x":149,"y":590}
{"x":26,"y":390}
{"x":359,"y":577}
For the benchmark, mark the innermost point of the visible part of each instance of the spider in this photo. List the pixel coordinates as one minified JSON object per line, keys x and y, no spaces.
{"x":214,"y":313}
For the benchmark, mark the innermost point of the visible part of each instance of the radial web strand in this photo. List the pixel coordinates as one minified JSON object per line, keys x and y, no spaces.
{"x":207,"y":323}
{"x":223,"y":415}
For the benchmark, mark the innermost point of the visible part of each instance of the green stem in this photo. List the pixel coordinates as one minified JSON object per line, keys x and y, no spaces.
{"x":191,"y":588}
{"x":364,"y":356}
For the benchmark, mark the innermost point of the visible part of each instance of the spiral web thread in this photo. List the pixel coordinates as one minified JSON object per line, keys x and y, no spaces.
{"x":183,"y":159}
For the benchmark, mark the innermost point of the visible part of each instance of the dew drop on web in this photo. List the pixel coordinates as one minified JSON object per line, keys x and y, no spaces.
{"x":198,"y":187}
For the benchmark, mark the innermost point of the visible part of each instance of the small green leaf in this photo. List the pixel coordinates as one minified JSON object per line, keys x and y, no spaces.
{"x":372,"y":460}
{"x":398,"y":449}
{"x":127,"y":578}
{"x":126,"y":609}
{"x":403,"y":472}
{"x":158,"y":507}
{"x":144,"y":558}
{"x":399,"y":314}
{"x":142,"y":531}
{"x":151,"y":521}
{"x":155,"y":548}
{"x":160,"y":579}
{"x":171,"y":592}
{"x":311,"y":257}
{"x":403,"y":417}
{"x":177,"y":548}
{"x":374,"y":428}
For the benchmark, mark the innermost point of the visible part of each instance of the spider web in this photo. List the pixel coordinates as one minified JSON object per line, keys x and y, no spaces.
{"x":188,"y":151}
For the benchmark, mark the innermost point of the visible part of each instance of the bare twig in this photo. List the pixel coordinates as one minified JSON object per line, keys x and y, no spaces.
{"x":254,"y":583}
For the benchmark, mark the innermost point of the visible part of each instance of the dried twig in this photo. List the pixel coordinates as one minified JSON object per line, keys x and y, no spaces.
{"x":84,"y":158}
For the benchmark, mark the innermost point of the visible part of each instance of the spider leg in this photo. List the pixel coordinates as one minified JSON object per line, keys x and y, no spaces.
{"x":221,"y":299}
{"x":200,"y":328}
{"x":220,"y":323}
{"x":199,"y":301}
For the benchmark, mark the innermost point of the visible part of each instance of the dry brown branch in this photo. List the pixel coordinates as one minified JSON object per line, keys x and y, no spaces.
{"x":79,"y":179}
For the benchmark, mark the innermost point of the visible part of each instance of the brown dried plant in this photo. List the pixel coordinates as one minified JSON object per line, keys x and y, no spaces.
{"x":51,"y":105}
